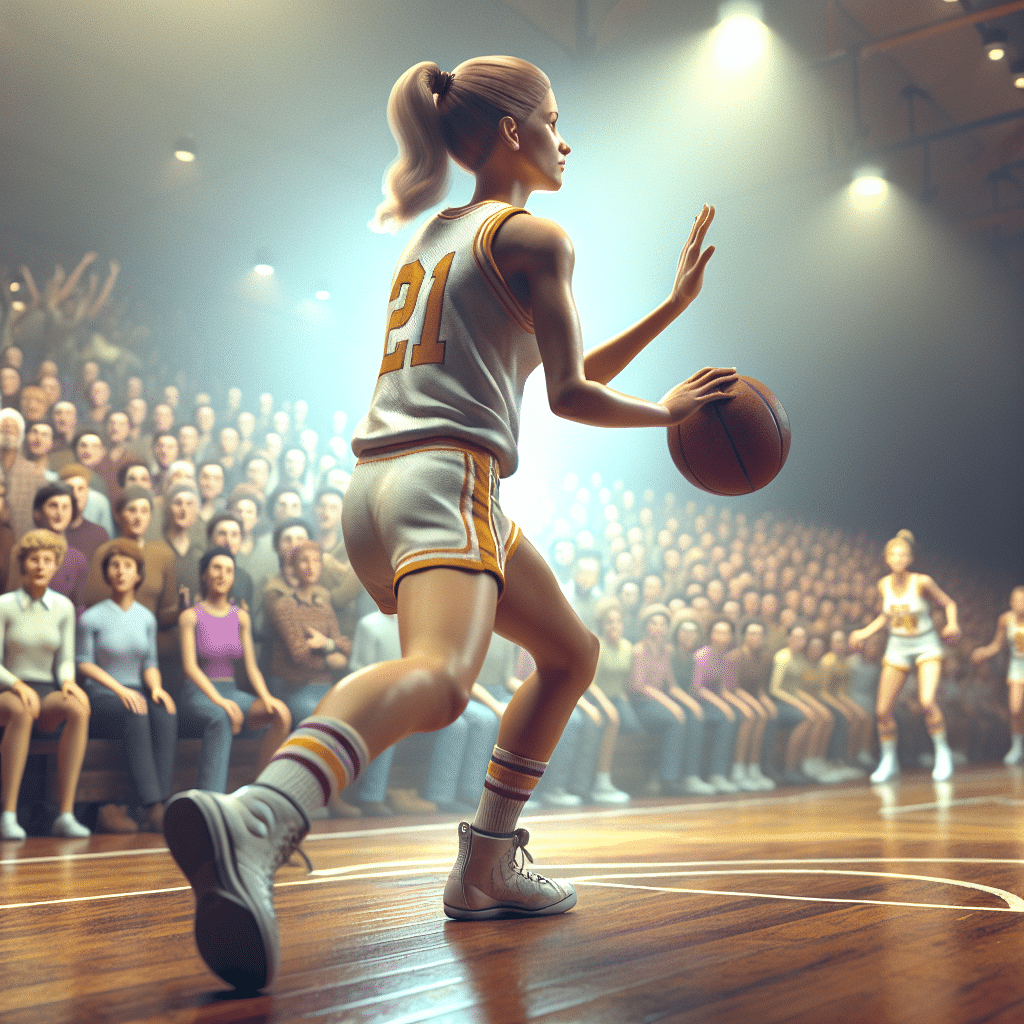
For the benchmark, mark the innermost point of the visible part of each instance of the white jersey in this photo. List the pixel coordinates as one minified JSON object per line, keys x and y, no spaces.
{"x":908,"y":613}
{"x":459,"y":346}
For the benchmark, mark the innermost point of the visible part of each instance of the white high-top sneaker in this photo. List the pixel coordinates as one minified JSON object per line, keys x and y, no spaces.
{"x":229,"y":847}
{"x":943,"y":758}
{"x":488,"y":880}
{"x":889,"y":766}
{"x":1015,"y":755}
{"x":754,"y":773}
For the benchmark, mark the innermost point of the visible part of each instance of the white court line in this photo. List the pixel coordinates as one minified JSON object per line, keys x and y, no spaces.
{"x":1014,"y":903}
{"x":805,"y":899}
{"x":941,"y":805}
{"x":397,"y":869}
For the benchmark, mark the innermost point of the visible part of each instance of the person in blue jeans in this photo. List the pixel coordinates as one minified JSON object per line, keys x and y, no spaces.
{"x":215,"y":636}
{"x":116,"y":653}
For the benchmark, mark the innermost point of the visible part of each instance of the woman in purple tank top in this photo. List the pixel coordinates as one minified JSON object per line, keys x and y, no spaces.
{"x":215,"y":636}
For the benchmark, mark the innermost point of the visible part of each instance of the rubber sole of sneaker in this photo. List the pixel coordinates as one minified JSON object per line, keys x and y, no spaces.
{"x":509,"y":910}
{"x":227,"y":931}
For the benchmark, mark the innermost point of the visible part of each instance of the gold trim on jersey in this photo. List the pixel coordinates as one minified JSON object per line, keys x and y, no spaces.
{"x":489,"y":269}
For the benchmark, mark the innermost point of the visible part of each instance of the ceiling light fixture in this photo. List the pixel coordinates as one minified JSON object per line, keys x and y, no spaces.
{"x":869,"y":183}
{"x":1017,"y":70}
{"x":741,"y":36}
{"x":185,"y":150}
{"x":995,"y":42}
{"x":323,"y":294}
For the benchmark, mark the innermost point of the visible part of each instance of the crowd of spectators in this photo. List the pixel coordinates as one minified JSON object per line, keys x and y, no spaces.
{"x":723,"y":636}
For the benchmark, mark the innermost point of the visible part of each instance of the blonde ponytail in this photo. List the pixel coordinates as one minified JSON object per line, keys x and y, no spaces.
{"x":419,"y":176}
{"x":434,"y":114}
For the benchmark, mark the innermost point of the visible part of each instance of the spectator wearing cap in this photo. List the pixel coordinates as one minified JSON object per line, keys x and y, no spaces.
{"x":181,"y":516}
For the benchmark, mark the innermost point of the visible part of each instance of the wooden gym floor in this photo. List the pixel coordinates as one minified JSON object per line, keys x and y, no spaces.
{"x":900,"y":903}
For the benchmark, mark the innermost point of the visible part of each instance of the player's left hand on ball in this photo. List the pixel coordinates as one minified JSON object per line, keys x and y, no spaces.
{"x":708,"y":385}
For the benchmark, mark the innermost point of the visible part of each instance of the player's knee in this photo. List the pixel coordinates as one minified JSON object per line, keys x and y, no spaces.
{"x":452,"y":689}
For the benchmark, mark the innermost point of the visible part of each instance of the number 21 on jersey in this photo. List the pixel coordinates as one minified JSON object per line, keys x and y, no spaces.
{"x":428,"y":348}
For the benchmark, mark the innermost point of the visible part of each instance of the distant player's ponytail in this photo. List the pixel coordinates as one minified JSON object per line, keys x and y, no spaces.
{"x":434,"y":114}
{"x":902,"y":537}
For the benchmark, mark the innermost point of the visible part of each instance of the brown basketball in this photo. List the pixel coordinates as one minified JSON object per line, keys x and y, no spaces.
{"x":733,"y":447}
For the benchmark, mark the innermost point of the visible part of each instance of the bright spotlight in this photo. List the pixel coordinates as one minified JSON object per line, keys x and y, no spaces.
{"x":185,"y":150}
{"x":263,"y":269}
{"x":868,"y":186}
{"x":323,"y":294}
{"x":741,"y":37}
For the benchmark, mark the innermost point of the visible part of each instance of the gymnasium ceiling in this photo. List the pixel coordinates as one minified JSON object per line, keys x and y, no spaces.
{"x":94,"y":93}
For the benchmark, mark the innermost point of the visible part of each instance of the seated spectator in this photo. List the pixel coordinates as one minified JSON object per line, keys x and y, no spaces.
{"x":248,"y":504}
{"x":99,"y":402}
{"x":33,"y":403}
{"x":225,"y":531}
{"x":140,"y":440}
{"x":64,"y":416}
{"x":228,"y":454}
{"x":210,"y":481}
{"x":309,"y":652}
{"x":188,"y":442}
{"x":753,"y":666}
{"x":53,"y":509}
{"x":117,"y":655}
{"x":37,"y":682}
{"x":23,"y":477}
{"x":10,"y":387}
{"x":788,"y":671}
{"x":135,"y":473}
{"x":119,"y":451}
{"x":85,"y":534}
{"x":38,"y":446}
{"x":91,"y":451}
{"x":608,"y":692}
{"x":158,"y":590}
{"x":183,"y":535}
{"x":851,"y":744}
{"x":215,"y":635}
{"x":663,"y":708}
{"x":165,"y":452}
{"x":6,"y":537}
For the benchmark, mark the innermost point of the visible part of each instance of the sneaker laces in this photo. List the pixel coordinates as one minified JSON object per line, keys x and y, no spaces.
{"x":522,"y":837}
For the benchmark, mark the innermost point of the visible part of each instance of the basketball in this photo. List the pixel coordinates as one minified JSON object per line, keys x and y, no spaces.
{"x":733,"y":447}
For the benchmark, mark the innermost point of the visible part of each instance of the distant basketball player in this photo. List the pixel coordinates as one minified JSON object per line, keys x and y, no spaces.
{"x":1010,"y":633}
{"x":482,"y":296}
{"x":914,"y":642}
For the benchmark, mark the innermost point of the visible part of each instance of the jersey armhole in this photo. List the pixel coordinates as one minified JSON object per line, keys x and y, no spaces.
{"x":485,"y":261}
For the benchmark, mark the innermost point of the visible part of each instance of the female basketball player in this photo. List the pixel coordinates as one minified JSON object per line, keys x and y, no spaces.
{"x":1010,"y":631}
{"x":482,"y":295}
{"x":913,"y":642}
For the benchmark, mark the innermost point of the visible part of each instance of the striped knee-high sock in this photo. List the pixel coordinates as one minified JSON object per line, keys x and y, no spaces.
{"x":510,"y":781}
{"x":318,"y":760}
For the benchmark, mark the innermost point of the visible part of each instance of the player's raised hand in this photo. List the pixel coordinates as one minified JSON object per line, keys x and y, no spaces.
{"x":693,"y":260}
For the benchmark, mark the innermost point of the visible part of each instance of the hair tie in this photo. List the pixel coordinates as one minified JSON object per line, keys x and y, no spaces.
{"x":442,"y":83}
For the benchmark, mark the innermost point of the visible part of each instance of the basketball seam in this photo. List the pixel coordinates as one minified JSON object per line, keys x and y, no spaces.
{"x":732,"y":444}
{"x":768,"y":405}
